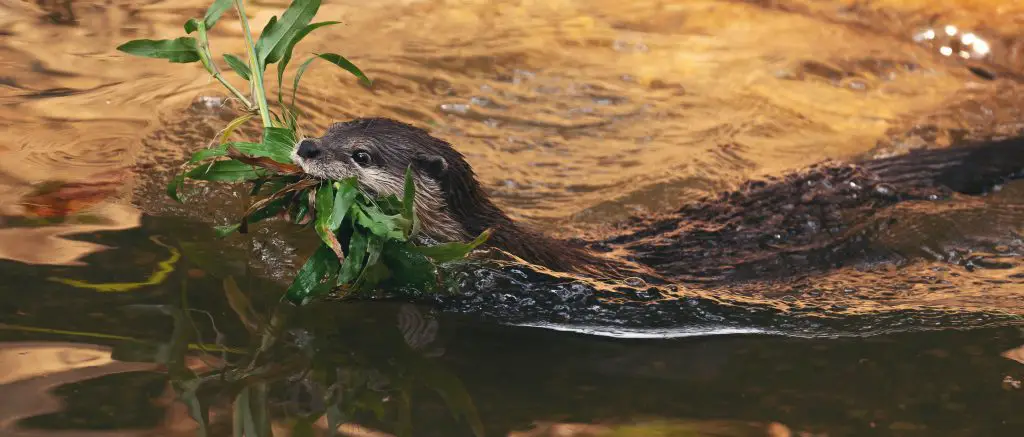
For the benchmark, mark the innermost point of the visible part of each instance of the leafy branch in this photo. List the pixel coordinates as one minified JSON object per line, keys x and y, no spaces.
{"x":378,"y":233}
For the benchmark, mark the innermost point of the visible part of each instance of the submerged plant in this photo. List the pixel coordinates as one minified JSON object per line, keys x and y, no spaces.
{"x":380,"y":232}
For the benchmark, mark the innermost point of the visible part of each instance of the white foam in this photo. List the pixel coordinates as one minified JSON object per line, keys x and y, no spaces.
{"x":648,"y":333}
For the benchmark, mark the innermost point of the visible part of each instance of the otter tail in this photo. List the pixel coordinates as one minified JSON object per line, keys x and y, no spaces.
{"x":973,"y":169}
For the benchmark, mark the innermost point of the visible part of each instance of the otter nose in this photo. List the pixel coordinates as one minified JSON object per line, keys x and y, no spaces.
{"x":308,"y":149}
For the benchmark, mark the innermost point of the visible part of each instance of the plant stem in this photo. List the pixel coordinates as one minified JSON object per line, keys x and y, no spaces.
{"x":207,"y":57}
{"x":254,"y":64}
{"x":235,"y":91}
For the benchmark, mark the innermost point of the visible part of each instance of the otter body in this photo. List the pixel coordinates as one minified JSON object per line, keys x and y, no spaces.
{"x":802,"y":220}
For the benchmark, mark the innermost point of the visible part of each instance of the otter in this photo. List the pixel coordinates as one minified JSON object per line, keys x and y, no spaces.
{"x":802,"y":220}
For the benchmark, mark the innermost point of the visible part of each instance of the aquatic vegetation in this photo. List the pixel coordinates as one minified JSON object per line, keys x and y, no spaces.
{"x":380,"y":232}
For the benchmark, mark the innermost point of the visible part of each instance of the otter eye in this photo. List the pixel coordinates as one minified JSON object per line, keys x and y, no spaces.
{"x":360,"y":157}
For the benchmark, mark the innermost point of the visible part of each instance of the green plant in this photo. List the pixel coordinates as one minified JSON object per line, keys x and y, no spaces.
{"x":380,"y":231}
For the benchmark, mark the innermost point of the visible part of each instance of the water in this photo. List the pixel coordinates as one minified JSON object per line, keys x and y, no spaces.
{"x":574,"y":114}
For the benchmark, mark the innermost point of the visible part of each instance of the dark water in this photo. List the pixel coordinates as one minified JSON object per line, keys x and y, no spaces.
{"x":122,"y":316}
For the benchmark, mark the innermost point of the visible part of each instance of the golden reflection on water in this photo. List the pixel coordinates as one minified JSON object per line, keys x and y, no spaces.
{"x":568,"y":109}
{"x":30,"y":371}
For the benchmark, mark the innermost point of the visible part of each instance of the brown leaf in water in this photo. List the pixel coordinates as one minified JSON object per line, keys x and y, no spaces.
{"x":265,"y":162}
{"x":334,"y":244}
{"x":61,"y":199}
{"x":297,"y":186}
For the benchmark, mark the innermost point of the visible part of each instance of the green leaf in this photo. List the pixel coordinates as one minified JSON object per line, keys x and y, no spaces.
{"x":300,"y":212}
{"x":280,"y":141}
{"x":308,"y":279}
{"x":176,"y":183}
{"x":353,"y":265}
{"x":254,"y":149}
{"x":374,"y":250}
{"x":410,"y":268}
{"x":291,"y":114}
{"x":372,"y":276}
{"x":191,"y":25}
{"x":225,"y":171}
{"x":213,"y":152}
{"x":287,"y":56}
{"x":277,"y":118}
{"x":259,"y":43}
{"x":179,"y":50}
{"x":215,"y":10}
{"x":238,"y":65}
{"x":340,"y":61}
{"x":233,"y":126}
{"x":298,"y":76}
{"x":213,"y":14}
{"x":324,"y":209}
{"x":389,"y":205}
{"x":343,"y":201}
{"x":374,"y":271}
{"x":453,"y":251}
{"x":223,"y":231}
{"x":379,"y":224}
{"x":273,"y":44}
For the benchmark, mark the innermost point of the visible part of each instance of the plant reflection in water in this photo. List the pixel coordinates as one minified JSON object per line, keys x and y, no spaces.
{"x":287,"y":377}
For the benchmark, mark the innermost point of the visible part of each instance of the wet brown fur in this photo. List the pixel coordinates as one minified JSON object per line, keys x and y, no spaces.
{"x":810,"y":217}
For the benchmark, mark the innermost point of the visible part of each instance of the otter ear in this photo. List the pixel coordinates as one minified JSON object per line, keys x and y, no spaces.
{"x":434,"y":165}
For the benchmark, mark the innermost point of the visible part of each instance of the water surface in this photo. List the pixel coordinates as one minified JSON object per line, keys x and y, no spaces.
{"x":574,"y":114}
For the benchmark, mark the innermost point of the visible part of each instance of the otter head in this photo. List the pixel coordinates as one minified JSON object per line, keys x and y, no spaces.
{"x":449,"y":201}
{"x":377,"y":152}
